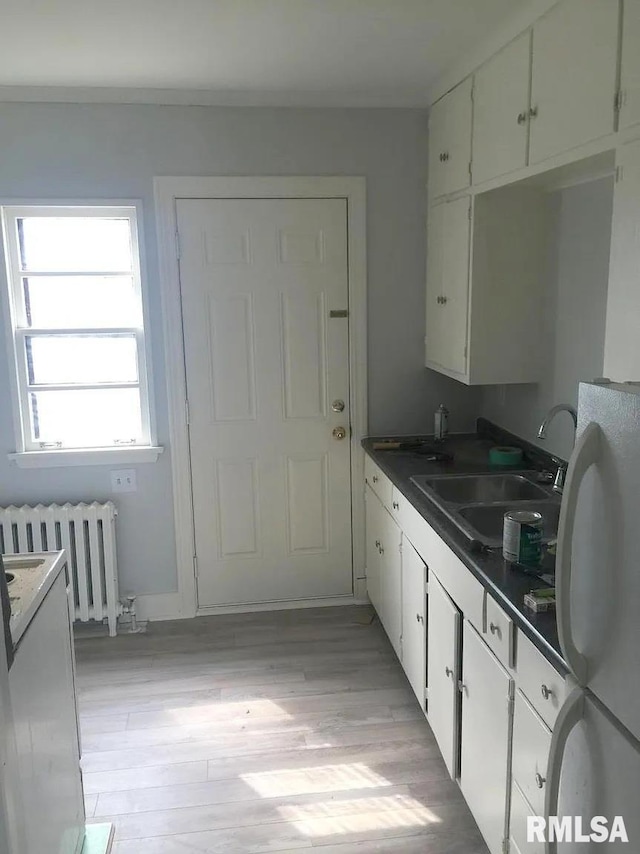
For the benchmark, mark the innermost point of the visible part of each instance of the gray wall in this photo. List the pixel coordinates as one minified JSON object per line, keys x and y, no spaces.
{"x":50,"y":151}
{"x":575,"y":307}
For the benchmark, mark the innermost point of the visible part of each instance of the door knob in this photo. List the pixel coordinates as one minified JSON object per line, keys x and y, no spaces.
{"x":337,"y":405}
{"x":338,"y":432}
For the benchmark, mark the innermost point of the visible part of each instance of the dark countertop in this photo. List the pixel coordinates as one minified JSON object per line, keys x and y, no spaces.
{"x":506,"y":583}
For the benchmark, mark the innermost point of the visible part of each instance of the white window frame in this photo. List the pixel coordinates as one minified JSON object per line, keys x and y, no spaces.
{"x":30,"y":453}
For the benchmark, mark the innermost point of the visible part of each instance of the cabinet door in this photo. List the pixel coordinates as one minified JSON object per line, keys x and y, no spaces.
{"x":630,"y":71}
{"x":443,"y":668}
{"x":455,"y":308}
{"x":622,"y":341}
{"x":414,"y":630}
{"x":575,"y":52}
{"x":391,"y":581}
{"x":42,"y":695}
{"x":487,"y":714}
{"x":448,"y":285}
{"x":435,"y":285}
{"x":501,"y":111}
{"x":437,"y":145}
{"x":373,"y":511}
{"x":450,"y":141}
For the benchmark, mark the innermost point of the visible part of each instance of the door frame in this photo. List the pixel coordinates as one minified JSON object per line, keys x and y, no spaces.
{"x":167,"y":190}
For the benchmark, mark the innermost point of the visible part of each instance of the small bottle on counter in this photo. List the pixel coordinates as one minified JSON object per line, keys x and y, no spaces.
{"x":441,"y":422}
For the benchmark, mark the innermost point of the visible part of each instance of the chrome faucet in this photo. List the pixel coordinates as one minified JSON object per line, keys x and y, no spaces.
{"x":561,"y":473}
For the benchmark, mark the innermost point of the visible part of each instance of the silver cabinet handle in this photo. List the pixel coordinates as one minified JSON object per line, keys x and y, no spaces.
{"x":494,"y":629}
{"x":448,"y":671}
{"x":381,"y":549}
{"x":444,"y":300}
{"x":533,"y":112}
{"x":461,"y":686}
{"x":375,"y":478}
{"x":445,"y":156}
{"x":546,"y":692}
{"x":396,"y":506}
{"x":522,"y":118}
{"x":377,"y":544}
{"x":420,"y":618}
{"x":540,"y":780}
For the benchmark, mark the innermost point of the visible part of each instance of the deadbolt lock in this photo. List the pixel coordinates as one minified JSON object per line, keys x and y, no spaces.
{"x":338,"y":405}
{"x":338,"y":432}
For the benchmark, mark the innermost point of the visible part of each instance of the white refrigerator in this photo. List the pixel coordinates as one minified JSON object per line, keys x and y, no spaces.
{"x":594,"y":762}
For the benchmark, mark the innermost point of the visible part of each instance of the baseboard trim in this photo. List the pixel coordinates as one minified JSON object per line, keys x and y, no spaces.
{"x":328,"y":602}
{"x":159,"y":606}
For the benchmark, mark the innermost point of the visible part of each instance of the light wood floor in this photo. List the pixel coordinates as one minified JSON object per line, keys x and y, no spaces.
{"x":250,"y":733}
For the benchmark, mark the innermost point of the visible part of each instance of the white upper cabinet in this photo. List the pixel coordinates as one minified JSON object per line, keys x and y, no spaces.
{"x":574,"y":75}
{"x":450,"y":141}
{"x":622,"y":337}
{"x":630,"y":71}
{"x":448,"y":286}
{"x":501,"y":111}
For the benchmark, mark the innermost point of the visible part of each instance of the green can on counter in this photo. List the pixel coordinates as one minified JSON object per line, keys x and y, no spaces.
{"x":522,"y":537}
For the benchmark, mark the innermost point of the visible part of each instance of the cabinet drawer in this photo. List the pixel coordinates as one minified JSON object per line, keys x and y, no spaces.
{"x":499,"y":632}
{"x":539,"y":681}
{"x":520,"y":809}
{"x":531,"y":743}
{"x":378,"y":481}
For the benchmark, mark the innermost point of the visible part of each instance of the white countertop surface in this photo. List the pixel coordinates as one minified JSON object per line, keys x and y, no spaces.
{"x":34,"y":574}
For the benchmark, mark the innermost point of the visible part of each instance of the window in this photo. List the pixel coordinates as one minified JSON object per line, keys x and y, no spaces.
{"x":77,"y":327}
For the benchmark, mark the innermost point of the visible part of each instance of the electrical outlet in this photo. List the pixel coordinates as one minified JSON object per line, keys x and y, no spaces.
{"x":124,"y":481}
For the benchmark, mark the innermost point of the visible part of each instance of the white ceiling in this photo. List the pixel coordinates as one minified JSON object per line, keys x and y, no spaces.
{"x":275,"y":52}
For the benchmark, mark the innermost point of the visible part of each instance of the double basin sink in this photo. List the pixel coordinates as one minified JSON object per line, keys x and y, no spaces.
{"x":476,"y":503}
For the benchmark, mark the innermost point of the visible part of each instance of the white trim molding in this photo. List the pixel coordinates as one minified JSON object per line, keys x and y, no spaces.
{"x":89,"y":457}
{"x":167,"y":190}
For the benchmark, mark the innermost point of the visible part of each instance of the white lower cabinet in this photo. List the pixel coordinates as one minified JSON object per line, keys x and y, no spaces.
{"x":487,"y":719}
{"x":414,"y":625}
{"x":443,"y":662}
{"x":384,"y":570}
{"x":42,"y":686}
{"x":461,"y":650}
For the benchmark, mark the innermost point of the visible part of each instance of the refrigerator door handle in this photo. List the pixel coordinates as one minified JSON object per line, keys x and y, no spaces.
{"x":570,"y":714}
{"x":584,"y":456}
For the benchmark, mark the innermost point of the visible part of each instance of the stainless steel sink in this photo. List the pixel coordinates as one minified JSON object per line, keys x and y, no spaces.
{"x":480,"y":488}
{"x":485,"y":522}
{"x":477,"y":503}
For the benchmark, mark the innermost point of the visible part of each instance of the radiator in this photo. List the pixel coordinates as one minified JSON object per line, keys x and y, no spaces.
{"x":87,"y":532}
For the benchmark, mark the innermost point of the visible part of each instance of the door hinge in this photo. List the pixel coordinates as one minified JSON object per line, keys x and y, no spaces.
{"x":195,"y":566}
{"x":469,"y":212}
{"x":187,"y":412}
{"x":465,"y":351}
{"x":618,"y":100}
{"x":469,"y":167}
{"x":177,"y":244}
{"x":618,"y":174}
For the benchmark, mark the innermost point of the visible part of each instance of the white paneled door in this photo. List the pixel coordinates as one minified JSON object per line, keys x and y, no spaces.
{"x":265,"y":298}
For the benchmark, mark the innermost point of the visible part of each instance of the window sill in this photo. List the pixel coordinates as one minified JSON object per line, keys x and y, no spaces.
{"x":88,"y":457}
